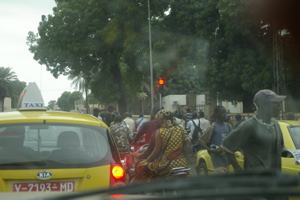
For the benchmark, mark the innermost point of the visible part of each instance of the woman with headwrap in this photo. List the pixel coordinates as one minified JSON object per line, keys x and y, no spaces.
{"x":168,"y":151}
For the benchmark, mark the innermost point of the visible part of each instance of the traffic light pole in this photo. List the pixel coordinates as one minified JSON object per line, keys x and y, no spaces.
{"x":160,"y":100}
{"x":161,"y":83}
{"x":151,"y":67}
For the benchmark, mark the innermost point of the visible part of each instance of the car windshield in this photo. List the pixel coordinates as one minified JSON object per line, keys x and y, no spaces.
{"x":295,"y":134}
{"x":64,"y":144}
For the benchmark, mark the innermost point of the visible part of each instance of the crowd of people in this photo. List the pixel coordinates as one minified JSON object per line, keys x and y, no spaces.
{"x":259,"y":138}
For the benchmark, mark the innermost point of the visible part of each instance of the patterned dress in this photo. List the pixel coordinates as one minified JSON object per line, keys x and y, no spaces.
{"x":173,"y":152}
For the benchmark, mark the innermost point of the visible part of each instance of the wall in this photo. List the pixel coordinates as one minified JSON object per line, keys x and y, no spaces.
{"x":233,"y":108}
{"x":7,"y":104}
{"x":177,"y":102}
{"x":173,"y":102}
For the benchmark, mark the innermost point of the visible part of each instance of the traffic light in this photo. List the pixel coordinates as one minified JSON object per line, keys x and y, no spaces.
{"x":161,"y":82}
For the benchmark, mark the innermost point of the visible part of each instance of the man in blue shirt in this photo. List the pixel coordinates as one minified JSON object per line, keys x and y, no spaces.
{"x":140,"y":121}
{"x":212,"y":139}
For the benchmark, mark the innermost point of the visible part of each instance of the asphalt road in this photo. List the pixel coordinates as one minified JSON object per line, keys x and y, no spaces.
{"x":193,"y":169}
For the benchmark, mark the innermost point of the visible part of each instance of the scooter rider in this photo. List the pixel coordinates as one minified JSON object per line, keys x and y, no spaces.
{"x":147,"y":129}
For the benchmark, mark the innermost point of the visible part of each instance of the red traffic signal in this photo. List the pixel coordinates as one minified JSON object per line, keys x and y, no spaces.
{"x":161,"y":81}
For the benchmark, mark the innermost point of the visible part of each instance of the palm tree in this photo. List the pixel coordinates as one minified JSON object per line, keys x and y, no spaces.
{"x":80,"y":82}
{"x":6,"y":78}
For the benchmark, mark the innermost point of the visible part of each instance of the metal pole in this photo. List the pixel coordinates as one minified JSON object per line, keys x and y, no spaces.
{"x":160,"y":104}
{"x":150,"y":49}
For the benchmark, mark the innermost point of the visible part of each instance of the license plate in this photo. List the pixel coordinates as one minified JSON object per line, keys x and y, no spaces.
{"x":61,"y":186}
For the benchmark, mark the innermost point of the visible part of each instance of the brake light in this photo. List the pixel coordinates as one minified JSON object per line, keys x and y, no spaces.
{"x":117,"y":172}
{"x":117,"y":175}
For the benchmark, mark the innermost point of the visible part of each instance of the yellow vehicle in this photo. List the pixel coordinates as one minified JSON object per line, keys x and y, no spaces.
{"x":43,"y":151}
{"x":290,"y":156}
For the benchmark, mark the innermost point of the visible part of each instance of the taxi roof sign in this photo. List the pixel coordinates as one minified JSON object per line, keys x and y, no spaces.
{"x":31,"y":98}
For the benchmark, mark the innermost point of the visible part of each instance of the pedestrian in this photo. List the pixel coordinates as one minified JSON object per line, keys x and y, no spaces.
{"x":204,"y":123}
{"x":167,"y":153}
{"x":107,"y":118}
{"x":102,"y":116}
{"x":213,"y":137}
{"x":120,"y":133}
{"x":112,"y":118}
{"x":187,"y":116}
{"x":140,"y":121}
{"x":239,"y":119}
{"x":194,"y":131}
{"x":130,"y":122}
{"x":192,"y":127}
{"x":259,"y":138}
{"x":179,"y":119}
{"x":96,"y":112}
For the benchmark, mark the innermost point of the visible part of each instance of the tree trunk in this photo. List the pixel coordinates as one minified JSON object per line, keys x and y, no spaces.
{"x":87,"y":102}
{"x":115,"y":70}
{"x":2,"y":104}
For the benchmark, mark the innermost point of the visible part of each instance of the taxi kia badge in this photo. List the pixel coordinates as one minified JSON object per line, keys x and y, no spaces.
{"x":44,"y":175}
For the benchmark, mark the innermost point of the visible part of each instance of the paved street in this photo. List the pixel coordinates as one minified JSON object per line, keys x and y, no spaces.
{"x":192,"y":167}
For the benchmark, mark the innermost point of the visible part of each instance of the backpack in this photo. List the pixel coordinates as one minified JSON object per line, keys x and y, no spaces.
{"x":197,"y":132}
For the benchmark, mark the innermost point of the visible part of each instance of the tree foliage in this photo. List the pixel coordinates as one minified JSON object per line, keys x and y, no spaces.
{"x":51,"y":104}
{"x":218,"y":45}
{"x":7,"y":78}
{"x":17,"y":88}
{"x":67,"y":99}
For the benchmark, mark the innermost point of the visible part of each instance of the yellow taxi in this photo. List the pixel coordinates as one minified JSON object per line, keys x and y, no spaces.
{"x":290,"y":156}
{"x":43,"y":151}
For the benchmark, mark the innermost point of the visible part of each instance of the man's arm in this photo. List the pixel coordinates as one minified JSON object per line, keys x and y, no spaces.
{"x":205,"y":138}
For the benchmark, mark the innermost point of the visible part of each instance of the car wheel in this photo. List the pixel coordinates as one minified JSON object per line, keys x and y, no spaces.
{"x":202,"y":169}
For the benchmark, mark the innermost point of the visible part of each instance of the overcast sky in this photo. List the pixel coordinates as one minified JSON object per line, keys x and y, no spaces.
{"x":17,"y":18}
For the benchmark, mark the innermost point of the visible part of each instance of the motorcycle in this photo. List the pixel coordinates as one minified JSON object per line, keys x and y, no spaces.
{"x":179,"y":172}
{"x":127,"y":161}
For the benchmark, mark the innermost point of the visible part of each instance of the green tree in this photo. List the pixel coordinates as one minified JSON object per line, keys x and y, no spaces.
{"x":221,"y":45}
{"x":80,"y":82}
{"x":184,"y":80}
{"x":67,"y":99}
{"x":76,"y":95}
{"x":64,"y":102}
{"x":18,"y":87}
{"x":7,"y":77}
{"x":94,"y":37}
{"x":51,"y":104}
{"x":232,"y":51}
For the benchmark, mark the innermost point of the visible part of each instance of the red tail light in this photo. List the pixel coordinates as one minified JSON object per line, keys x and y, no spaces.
{"x":117,"y":175}
{"x":117,"y":172}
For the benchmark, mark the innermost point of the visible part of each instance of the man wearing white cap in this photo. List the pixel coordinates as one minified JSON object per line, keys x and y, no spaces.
{"x":260,"y":137}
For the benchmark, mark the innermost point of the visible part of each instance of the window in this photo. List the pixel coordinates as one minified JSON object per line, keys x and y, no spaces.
{"x":58,"y":143}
